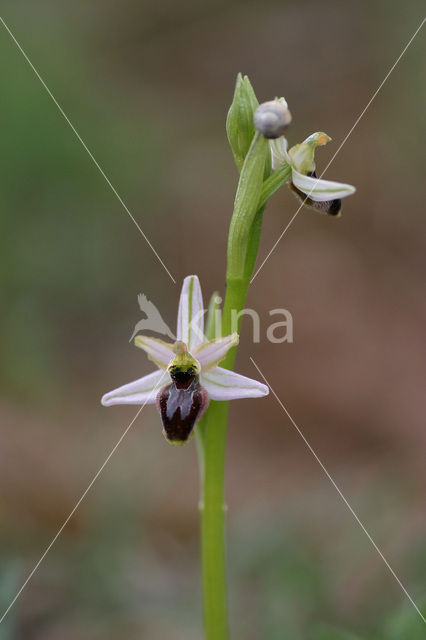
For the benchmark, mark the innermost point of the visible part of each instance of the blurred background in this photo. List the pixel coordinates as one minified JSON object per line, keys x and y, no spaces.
{"x":148,"y":85}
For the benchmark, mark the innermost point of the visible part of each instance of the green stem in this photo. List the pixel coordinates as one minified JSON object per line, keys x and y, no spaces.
{"x":213,"y":525}
{"x":243,"y":243}
{"x":213,"y":507}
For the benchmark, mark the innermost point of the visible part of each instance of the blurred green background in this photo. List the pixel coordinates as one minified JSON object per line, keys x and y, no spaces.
{"x":147,"y":85}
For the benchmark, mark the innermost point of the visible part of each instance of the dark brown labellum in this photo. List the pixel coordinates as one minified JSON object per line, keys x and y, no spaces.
{"x":332,"y":207}
{"x":181,"y":404}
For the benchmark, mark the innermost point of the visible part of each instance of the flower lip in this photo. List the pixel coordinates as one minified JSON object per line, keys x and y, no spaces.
{"x":181,"y":405}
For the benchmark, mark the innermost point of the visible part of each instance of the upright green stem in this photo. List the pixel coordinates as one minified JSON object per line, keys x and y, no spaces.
{"x":242,"y":250}
{"x":213,"y":505}
{"x":213,"y":524}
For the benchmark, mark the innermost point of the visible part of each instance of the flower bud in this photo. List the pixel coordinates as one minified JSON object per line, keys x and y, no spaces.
{"x":272,"y":118}
{"x":239,"y":123}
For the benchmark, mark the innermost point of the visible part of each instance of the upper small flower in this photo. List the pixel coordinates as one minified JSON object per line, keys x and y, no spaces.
{"x":323,"y":195}
{"x":187,"y":374}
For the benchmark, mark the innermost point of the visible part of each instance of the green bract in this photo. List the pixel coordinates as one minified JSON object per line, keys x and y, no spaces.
{"x":239,"y":123}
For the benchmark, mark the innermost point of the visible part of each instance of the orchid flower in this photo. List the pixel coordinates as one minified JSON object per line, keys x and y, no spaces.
{"x":187,"y":373}
{"x":323,"y":195}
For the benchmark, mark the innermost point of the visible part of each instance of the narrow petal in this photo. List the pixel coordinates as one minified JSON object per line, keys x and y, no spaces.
{"x":222,"y":384}
{"x":279,"y":155}
{"x":158,"y":351}
{"x":142,"y":391}
{"x":209,"y":354}
{"x":321,"y":190}
{"x":190,"y":323}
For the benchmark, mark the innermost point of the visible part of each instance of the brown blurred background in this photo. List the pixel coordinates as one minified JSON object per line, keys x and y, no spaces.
{"x":148,"y":85}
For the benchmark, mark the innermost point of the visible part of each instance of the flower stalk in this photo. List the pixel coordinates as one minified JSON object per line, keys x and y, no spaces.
{"x":243,"y":244}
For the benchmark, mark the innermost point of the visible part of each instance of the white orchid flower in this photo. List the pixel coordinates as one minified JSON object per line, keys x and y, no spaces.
{"x":323,"y":195}
{"x":188,"y":374}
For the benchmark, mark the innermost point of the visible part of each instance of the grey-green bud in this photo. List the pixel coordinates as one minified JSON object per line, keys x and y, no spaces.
{"x":272,"y":118}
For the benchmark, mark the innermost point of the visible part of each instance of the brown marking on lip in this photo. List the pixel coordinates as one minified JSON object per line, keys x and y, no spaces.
{"x":181,"y":405}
